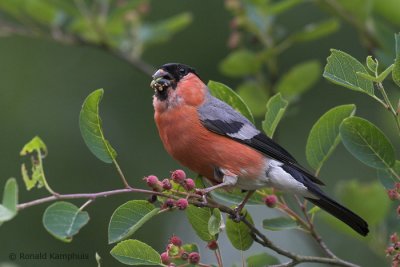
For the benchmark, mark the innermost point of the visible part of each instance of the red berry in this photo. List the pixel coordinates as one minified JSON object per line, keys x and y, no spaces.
{"x":271,"y":201}
{"x":175,"y":240}
{"x":178,"y":176}
{"x":394,"y":238}
{"x":212,"y":245}
{"x":165,"y":258}
{"x":182,"y":203}
{"x":194,"y":258}
{"x":398,"y":210}
{"x":166,"y":184}
{"x":151,"y":180}
{"x":189,"y":184}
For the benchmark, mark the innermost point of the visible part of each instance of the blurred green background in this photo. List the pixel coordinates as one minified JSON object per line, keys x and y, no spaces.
{"x":43,"y":84}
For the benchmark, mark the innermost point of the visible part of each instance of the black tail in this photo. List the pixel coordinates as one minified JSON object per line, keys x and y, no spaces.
{"x":342,"y":213}
{"x":328,"y":204}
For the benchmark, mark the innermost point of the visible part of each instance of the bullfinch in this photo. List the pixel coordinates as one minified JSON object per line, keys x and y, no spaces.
{"x":212,"y":139}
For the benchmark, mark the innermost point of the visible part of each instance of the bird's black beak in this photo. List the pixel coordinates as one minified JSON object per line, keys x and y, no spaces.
{"x":161,"y":80}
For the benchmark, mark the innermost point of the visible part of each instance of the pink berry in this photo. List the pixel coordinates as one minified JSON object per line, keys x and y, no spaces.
{"x":175,"y":240}
{"x":178,"y":176}
{"x":166,"y":184}
{"x":389,"y":251}
{"x":189,"y":184}
{"x":165,"y":258}
{"x":182,"y":203}
{"x":212,"y":245}
{"x":151,"y":180}
{"x":271,"y":201}
{"x":393,"y":194}
{"x":194,"y":258}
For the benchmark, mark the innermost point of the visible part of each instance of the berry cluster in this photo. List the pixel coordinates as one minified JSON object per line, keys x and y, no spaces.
{"x":175,"y":252}
{"x":178,"y":177}
{"x":394,"y":250}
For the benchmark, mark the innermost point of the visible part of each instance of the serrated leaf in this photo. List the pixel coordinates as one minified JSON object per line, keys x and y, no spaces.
{"x":134,"y":252}
{"x":299,"y":79}
{"x":254,"y":96}
{"x":162,"y":31}
{"x":324,"y":135}
{"x":214,"y":223}
{"x":276,"y":107}
{"x":387,"y":178}
{"x":342,"y":69}
{"x":38,"y":150}
{"x":396,"y":68}
{"x":280,"y":223}
{"x":128,"y":218}
{"x":316,"y":31}
{"x":239,"y":234}
{"x":367,"y":143}
{"x":198,"y":218}
{"x":240,"y":63}
{"x":8,"y":208}
{"x":226,"y":94}
{"x":64,"y":220}
{"x":261,"y":260}
{"x":91,"y":128}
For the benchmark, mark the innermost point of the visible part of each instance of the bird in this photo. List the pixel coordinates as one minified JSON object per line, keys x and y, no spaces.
{"x":212,"y":139}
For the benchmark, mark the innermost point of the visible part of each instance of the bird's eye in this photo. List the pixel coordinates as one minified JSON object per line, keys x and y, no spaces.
{"x":182,"y":71}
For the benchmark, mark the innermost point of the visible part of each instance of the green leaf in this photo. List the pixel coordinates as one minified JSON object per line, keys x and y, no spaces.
{"x":239,"y":234}
{"x":372,"y":64}
{"x":316,"y":31}
{"x":280,"y":223}
{"x":162,"y":31}
{"x":282,"y":6}
{"x":299,"y":79}
{"x":342,"y":69}
{"x":367,"y":143}
{"x":64,"y":220}
{"x":134,"y":252}
{"x":254,"y":96}
{"x":389,"y":9}
{"x":128,"y":218}
{"x":226,"y":94}
{"x":8,"y":208}
{"x":324,"y":135}
{"x":368,"y":200}
{"x":387,"y":178}
{"x":240,"y":63}
{"x":396,"y":68}
{"x":38,"y":151}
{"x":199,"y":218}
{"x":235,"y":196}
{"x":91,"y":128}
{"x":276,"y":107}
{"x":214,"y":223}
{"x":359,"y":9}
{"x":261,"y":260}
